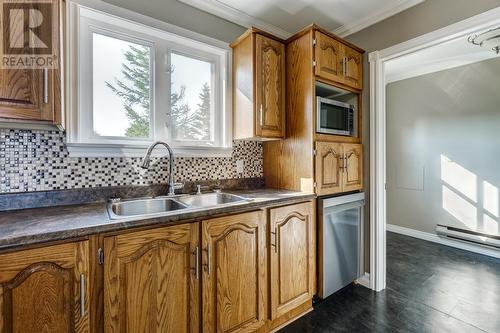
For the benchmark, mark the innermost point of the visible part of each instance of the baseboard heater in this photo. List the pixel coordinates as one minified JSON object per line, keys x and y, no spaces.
{"x":468,"y":236}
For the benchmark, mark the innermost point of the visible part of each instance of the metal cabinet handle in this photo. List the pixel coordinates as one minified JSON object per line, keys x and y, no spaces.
{"x":196,"y":253}
{"x":275,"y":245}
{"x":45,"y":86}
{"x":345,"y":162}
{"x":209,"y":259}
{"x":344,"y":61}
{"x":261,"y":116}
{"x":82,"y":295}
{"x":100,"y":256}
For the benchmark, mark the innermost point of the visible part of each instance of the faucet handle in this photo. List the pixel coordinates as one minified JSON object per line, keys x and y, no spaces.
{"x":198,"y":189}
{"x":178,"y":186}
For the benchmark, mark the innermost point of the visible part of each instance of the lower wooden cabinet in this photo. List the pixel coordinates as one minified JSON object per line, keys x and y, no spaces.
{"x":43,"y":290}
{"x":353,"y":169}
{"x":246,"y":272}
{"x":338,"y":167}
{"x":234,"y":273}
{"x":292,"y":257}
{"x":151,"y":281}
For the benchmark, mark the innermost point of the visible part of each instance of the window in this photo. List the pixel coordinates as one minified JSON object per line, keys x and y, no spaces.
{"x":121,"y":105}
{"x":142,"y":82}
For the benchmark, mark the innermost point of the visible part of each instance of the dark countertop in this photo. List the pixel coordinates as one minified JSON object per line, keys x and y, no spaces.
{"x":20,"y":228}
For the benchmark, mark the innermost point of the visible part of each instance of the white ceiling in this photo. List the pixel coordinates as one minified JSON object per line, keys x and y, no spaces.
{"x":285,"y":17}
{"x":455,"y":53}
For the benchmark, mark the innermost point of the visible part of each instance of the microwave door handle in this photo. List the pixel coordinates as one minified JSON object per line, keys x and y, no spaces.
{"x":348,"y":121}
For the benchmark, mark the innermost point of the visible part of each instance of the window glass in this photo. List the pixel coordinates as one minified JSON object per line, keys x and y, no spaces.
{"x":121,"y":88}
{"x":191,"y":99}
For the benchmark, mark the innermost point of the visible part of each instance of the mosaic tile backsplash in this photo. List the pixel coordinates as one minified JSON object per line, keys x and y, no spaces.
{"x":37,"y":160}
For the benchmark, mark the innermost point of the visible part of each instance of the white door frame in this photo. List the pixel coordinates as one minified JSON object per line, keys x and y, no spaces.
{"x":377,"y":60}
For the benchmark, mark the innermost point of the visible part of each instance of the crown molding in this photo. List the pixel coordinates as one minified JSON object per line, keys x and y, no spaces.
{"x":375,"y":17}
{"x":234,"y":15}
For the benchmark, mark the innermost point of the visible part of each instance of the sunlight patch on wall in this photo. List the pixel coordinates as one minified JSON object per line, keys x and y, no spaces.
{"x":469,"y":199}
{"x":459,"y":178}
{"x":459,"y":208}
{"x":490,"y":225}
{"x":490,"y":198}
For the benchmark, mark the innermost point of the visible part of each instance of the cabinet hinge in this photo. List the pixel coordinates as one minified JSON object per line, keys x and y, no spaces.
{"x":314,"y":184}
{"x":314,"y":41}
{"x":100,"y":256}
{"x":314,"y":152}
{"x":314,"y":63}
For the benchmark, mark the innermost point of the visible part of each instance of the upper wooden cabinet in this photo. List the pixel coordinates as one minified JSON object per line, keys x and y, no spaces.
{"x":151,"y":280}
{"x":258,"y":86}
{"x":337,"y":62}
{"x":292,"y":257}
{"x":339,"y":167}
{"x":353,"y":68}
{"x":234,"y":273}
{"x":329,"y":58}
{"x":43,"y":290}
{"x":34,"y":95}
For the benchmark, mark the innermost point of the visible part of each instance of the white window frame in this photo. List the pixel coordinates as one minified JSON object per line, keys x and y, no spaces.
{"x":89,"y":16}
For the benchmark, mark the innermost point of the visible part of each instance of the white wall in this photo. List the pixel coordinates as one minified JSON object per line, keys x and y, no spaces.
{"x":443,"y":149}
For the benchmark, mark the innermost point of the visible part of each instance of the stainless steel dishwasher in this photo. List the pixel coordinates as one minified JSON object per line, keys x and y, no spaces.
{"x":341,"y":242}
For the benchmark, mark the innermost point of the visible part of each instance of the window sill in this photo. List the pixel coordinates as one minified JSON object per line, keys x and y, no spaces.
{"x":116,"y":150}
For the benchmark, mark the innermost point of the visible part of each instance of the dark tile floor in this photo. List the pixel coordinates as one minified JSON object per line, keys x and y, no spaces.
{"x":430,"y":288}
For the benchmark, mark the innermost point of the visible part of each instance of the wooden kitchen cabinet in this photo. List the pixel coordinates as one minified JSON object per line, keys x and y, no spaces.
{"x":34,"y":95}
{"x":329,"y":176}
{"x":353,"y":168}
{"x":258,"y":86}
{"x":151,"y":280}
{"x":353,"y":64}
{"x":318,"y":64}
{"x":329,"y":58}
{"x":43,"y":290}
{"x":337,"y":62}
{"x":338,"y":167}
{"x":234,"y":273}
{"x":292,"y":257}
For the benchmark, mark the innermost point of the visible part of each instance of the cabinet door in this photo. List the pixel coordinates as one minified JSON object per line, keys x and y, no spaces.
{"x":292,"y":257}
{"x":270,"y":87}
{"x":353,"y":173}
{"x":43,"y":290}
{"x":353,"y":72}
{"x":33,"y":94}
{"x":328,"y":168}
{"x":328,"y":58}
{"x":151,"y":281}
{"x":234,"y":273}
{"x":21,"y":95}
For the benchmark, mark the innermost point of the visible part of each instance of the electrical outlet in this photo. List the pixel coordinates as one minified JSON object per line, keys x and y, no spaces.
{"x":239,"y":166}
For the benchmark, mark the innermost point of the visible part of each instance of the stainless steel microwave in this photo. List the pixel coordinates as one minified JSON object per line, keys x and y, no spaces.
{"x":334,"y":117}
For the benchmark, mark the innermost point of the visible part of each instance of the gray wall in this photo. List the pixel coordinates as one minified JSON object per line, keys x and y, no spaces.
{"x":421,"y":19}
{"x":443,"y":149}
{"x":182,"y":15}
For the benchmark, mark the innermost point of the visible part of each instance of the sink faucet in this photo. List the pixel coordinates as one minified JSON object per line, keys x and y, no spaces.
{"x":147,"y":160}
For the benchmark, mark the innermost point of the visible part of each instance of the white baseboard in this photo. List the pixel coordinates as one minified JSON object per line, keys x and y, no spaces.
{"x":364,"y":280}
{"x":444,"y":241}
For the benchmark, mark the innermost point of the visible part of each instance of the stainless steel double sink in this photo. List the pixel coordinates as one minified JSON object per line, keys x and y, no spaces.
{"x":159,"y":206}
